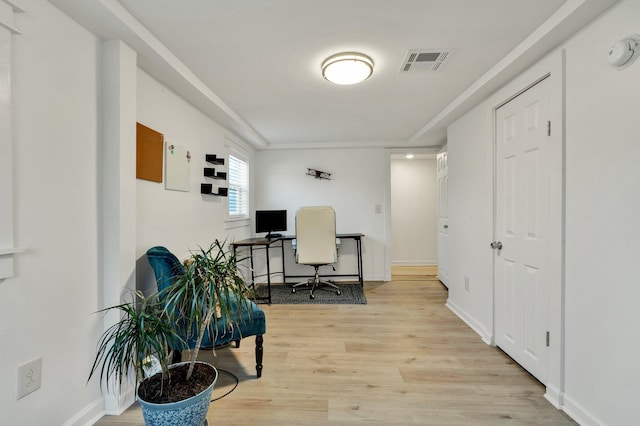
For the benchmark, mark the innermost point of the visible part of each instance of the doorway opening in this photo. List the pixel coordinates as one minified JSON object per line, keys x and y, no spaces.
{"x":414,"y":215}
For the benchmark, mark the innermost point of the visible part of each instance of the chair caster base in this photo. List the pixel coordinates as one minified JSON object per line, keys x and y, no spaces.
{"x":312,"y":296}
{"x":338,"y":292}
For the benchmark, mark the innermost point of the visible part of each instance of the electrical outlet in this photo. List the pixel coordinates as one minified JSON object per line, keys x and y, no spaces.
{"x":29,"y":377}
{"x":378,"y":209}
{"x":466,"y":284}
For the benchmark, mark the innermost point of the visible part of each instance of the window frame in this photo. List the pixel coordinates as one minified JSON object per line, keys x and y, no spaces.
{"x":243,"y":187}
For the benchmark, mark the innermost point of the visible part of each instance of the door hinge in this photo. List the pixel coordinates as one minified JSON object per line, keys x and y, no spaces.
{"x":549,"y":128}
{"x":547,"y":339}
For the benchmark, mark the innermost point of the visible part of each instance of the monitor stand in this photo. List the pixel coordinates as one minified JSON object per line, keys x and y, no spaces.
{"x":273,"y":235}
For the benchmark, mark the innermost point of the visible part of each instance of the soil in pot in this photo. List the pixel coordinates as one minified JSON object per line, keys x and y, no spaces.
{"x":173,"y":385}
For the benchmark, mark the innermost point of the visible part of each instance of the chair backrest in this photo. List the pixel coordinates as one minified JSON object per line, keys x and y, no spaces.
{"x":316,"y":235}
{"x":165,"y":265}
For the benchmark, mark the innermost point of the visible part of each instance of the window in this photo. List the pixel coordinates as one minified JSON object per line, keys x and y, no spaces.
{"x":238,"y":187}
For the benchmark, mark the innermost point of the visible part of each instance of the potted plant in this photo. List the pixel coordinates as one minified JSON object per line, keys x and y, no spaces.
{"x":194,"y":304}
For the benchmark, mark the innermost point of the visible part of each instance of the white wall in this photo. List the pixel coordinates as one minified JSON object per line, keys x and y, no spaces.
{"x":182,"y":221}
{"x":469,"y":152}
{"x":359,"y":182}
{"x":470,"y":147}
{"x":602,"y":344}
{"x":47,"y":308}
{"x":414,"y":214}
{"x":602,"y":230}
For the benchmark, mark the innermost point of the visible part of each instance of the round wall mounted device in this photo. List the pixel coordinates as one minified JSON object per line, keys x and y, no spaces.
{"x":624,"y":52}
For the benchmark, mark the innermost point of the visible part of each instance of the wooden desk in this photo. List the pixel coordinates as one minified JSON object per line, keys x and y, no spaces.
{"x":267,"y":244}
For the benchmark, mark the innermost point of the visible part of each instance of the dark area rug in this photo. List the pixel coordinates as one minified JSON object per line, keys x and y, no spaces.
{"x":352,"y":294}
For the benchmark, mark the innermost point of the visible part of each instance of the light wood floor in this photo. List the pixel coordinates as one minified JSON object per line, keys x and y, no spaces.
{"x":402,"y":359}
{"x":413,"y":272}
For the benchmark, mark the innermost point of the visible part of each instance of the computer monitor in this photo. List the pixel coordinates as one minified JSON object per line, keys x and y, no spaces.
{"x":271,"y":221}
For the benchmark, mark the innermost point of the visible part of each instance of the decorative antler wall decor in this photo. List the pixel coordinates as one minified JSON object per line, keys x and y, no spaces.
{"x":319,"y":174}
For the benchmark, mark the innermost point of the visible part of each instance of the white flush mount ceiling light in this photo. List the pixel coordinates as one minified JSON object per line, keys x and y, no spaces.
{"x":347,"y":68}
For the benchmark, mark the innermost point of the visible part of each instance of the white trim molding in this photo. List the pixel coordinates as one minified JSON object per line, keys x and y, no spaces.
{"x":579,"y":413}
{"x":7,"y":30}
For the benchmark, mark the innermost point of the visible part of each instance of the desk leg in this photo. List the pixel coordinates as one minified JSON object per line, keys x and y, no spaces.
{"x":235,"y":254}
{"x":253,"y":278}
{"x":259,"y":354}
{"x":284,"y":274}
{"x":359,"y":250}
{"x":268,"y":274}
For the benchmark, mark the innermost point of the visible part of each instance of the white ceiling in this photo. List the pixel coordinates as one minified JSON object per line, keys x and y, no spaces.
{"x":254,"y":65}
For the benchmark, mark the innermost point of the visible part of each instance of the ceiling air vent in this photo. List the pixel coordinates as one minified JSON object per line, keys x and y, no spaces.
{"x":420,"y":60}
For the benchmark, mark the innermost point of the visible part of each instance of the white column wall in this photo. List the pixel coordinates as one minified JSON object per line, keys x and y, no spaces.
{"x":117,"y":163}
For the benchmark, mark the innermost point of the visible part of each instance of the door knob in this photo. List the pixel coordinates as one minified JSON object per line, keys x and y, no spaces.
{"x":496,"y":245}
{"x":445,"y":226}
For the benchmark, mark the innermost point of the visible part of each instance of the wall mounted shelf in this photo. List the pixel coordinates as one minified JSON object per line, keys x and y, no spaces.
{"x":211,"y":173}
{"x":207,"y":188}
{"x":213,"y":159}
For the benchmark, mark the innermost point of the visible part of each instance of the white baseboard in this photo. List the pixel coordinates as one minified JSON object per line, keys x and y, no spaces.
{"x":375,"y":278}
{"x":486,"y":336}
{"x":554,"y":396}
{"x":444,"y":282}
{"x":557,"y":398}
{"x":414,"y":262}
{"x":579,"y":413}
{"x":89,"y":415}
{"x":118,"y":404}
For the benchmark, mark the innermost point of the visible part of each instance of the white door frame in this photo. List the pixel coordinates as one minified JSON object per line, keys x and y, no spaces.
{"x":553,"y":69}
{"x":389,"y":152}
{"x":443,"y":224}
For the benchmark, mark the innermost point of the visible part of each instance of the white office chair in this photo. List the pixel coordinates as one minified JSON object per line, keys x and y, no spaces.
{"x":316,"y":243}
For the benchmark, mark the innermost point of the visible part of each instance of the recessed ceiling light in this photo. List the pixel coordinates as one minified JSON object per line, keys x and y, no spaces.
{"x":409,"y":156}
{"x":347,"y":68}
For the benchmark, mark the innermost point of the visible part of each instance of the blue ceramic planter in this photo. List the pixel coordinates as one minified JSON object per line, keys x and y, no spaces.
{"x":188,"y":412}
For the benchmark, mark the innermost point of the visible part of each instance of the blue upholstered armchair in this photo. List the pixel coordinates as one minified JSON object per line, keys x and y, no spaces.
{"x":232,"y":327}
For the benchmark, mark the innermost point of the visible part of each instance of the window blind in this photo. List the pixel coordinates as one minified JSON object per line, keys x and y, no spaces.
{"x":238,"y":187}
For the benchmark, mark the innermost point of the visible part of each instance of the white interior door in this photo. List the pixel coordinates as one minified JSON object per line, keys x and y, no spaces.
{"x":521,"y":251}
{"x":442,"y":170}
